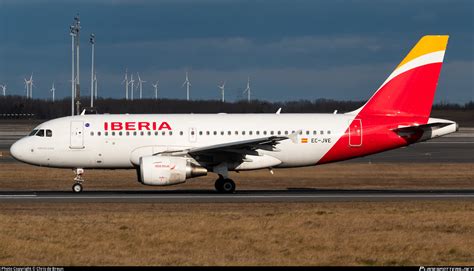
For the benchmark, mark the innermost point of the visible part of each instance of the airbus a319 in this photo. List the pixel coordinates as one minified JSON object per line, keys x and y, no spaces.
{"x":168,"y":149}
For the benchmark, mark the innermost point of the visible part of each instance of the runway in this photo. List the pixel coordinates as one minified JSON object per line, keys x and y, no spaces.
{"x":244,"y":196}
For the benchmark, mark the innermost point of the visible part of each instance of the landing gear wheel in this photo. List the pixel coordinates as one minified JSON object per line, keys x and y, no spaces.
{"x":77,"y":188}
{"x":225,"y":186}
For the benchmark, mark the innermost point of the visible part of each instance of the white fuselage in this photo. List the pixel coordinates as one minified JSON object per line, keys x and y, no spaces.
{"x":76,"y":143}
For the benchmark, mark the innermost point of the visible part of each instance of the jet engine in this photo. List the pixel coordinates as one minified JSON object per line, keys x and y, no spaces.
{"x":167,"y":170}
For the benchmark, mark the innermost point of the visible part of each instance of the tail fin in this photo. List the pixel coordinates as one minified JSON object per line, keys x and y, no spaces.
{"x":410,"y":89}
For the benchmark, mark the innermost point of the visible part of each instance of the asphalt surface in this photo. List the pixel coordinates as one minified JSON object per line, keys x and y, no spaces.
{"x":209,"y":196}
{"x":448,"y":149}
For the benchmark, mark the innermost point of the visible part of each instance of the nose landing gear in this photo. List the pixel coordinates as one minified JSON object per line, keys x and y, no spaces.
{"x":77,"y":187}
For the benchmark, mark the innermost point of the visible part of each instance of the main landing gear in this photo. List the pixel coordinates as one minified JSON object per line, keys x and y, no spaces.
{"x":224,"y":185}
{"x":77,"y":187}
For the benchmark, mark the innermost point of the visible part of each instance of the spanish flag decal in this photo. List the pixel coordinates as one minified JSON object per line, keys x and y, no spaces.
{"x":304,"y":140}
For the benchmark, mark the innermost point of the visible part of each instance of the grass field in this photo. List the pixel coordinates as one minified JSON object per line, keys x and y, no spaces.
{"x":16,"y":176}
{"x":344,"y":233}
{"x":332,"y":233}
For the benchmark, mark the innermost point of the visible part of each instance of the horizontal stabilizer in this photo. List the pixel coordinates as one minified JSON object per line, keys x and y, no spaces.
{"x":418,"y":128}
{"x":424,"y":132}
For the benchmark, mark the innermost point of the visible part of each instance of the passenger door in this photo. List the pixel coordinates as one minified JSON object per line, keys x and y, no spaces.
{"x":77,"y":135}
{"x":355,"y":133}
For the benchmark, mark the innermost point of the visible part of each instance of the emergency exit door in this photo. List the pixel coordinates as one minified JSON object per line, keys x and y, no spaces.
{"x":355,"y":133}
{"x":77,"y":135}
{"x":192,"y":134}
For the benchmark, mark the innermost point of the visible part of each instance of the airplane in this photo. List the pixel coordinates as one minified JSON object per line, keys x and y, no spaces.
{"x":168,"y":149}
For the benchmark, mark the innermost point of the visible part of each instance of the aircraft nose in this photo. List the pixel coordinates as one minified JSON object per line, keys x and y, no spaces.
{"x":17,"y":150}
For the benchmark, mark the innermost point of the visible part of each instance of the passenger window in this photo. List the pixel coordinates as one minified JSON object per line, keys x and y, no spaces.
{"x":156,"y":133}
{"x":250,"y":132}
{"x":142,"y":133}
{"x":106,"y":133}
{"x":215,"y":132}
{"x":127,"y":133}
{"x":286,"y":132}
{"x":98,"y":133}
{"x":171,"y":133}
{"x":243,"y":132}
{"x":307,"y":132}
{"x":329,"y":132}
{"x":192,"y":132}
{"x":92,"y":133}
{"x":229,"y":132}
{"x":180,"y":132}
{"x":120,"y":133}
{"x":113,"y":133}
{"x":315,"y":132}
{"x":322,"y":132}
{"x":40,"y":133}
{"x":200,"y":133}
{"x":149,"y":133}
{"x":208,"y":133}
{"x":236,"y":132}
{"x":265,"y":132}
{"x":134,"y":133}
{"x":163,"y":133}
{"x":33,"y":132}
{"x":222,"y":132}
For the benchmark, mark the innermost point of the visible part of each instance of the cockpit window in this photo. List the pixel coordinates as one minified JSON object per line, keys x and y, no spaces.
{"x":40,"y":133}
{"x":33,"y":132}
{"x":49,"y":133}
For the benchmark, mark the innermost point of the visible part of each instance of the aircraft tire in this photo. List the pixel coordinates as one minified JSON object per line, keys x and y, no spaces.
{"x":227,"y":186}
{"x":77,"y":188}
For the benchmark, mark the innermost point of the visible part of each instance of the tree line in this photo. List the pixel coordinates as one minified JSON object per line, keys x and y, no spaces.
{"x":44,"y":109}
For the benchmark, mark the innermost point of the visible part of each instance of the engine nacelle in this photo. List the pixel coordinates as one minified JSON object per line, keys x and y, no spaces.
{"x":166,"y":170}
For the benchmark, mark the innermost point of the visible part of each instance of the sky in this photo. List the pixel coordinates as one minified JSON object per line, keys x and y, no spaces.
{"x":291,"y":50}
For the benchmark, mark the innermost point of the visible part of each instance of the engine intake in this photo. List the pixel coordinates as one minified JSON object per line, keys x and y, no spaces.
{"x":166,"y":170}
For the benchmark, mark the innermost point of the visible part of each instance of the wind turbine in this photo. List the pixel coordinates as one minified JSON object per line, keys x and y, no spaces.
{"x":131,"y":82}
{"x":140,"y":84}
{"x":222,"y":88}
{"x":29,"y":87}
{"x":247,"y":89}
{"x":4,"y":89}
{"x":188,"y":84}
{"x":53,"y":90}
{"x":155,"y":86}
{"x":126,"y":82}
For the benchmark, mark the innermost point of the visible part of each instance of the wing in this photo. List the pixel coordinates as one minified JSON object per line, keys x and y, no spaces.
{"x":264,"y":143}
{"x":231,"y":151}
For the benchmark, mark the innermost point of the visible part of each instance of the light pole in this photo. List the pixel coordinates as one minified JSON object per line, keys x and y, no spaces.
{"x":77,"y":26}
{"x":95,"y":85}
{"x":73,"y":81}
{"x":92,"y":41}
